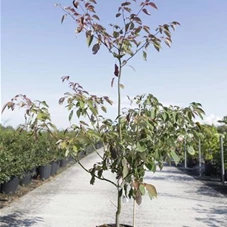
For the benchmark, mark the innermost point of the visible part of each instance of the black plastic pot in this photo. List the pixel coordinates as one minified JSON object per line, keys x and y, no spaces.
{"x":208,"y":169}
{"x":63,"y":163}
{"x":26,"y":179}
{"x":54,"y":167}
{"x":11,"y":186}
{"x":44,"y":171}
{"x":34,"y":172}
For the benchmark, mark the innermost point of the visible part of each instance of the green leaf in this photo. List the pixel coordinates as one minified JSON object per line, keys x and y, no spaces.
{"x":191,"y":150}
{"x":75,"y":149}
{"x":144,"y":55}
{"x":70,"y":115}
{"x":151,"y":190}
{"x":175,"y":156}
{"x":89,"y":40}
{"x":103,"y":109}
{"x":142,"y":189}
{"x":140,"y":148}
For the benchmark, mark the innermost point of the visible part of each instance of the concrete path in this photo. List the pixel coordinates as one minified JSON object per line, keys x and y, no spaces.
{"x":70,"y":201}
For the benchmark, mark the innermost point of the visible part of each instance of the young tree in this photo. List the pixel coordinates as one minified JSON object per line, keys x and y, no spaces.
{"x":140,"y":136}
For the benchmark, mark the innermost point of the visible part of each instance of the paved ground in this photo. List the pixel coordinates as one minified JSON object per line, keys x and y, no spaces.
{"x":70,"y":201}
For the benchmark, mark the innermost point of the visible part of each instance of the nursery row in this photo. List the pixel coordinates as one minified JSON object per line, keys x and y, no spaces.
{"x":23,"y":157}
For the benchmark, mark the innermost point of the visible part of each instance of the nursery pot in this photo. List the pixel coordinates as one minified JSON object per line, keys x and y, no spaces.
{"x":34,"y":172}
{"x":63,"y":163}
{"x":10,"y":186}
{"x":54,"y":167}
{"x":208,"y":169}
{"x":26,"y":179}
{"x":44,"y":171}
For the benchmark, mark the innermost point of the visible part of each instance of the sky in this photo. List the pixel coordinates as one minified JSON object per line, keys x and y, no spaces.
{"x":37,"y":50}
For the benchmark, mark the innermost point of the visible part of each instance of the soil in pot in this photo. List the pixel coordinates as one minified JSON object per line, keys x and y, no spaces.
{"x":44,"y":171}
{"x":26,"y":179}
{"x":10,"y":186}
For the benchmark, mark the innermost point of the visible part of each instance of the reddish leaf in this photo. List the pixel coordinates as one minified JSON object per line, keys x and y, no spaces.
{"x":137,"y":19}
{"x":152,"y":5}
{"x":128,"y":9}
{"x":138,"y":197}
{"x":61,"y":100}
{"x":76,"y":3}
{"x":96,"y":17}
{"x":95,"y":48}
{"x":65,"y":78}
{"x":116,"y":70}
{"x":146,"y":29}
{"x":175,"y":23}
{"x":146,"y":12}
{"x":125,"y":3}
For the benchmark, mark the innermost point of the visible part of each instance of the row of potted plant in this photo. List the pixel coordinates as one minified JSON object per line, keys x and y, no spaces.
{"x":22,"y":157}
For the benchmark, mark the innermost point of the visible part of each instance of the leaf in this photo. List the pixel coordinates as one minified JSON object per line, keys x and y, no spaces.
{"x":61,"y":100}
{"x":112,"y":82}
{"x":175,"y":156}
{"x":142,"y":189}
{"x":138,"y":197}
{"x":167,"y":42}
{"x":89,"y":40}
{"x":96,"y":17}
{"x":152,"y":5}
{"x":144,"y":55}
{"x":157,"y":46}
{"x":76,"y":3}
{"x":70,"y":115}
{"x":118,"y":14}
{"x":140,"y":148}
{"x":126,"y":4}
{"x":146,"y":12}
{"x":137,"y":19}
{"x":67,"y":153}
{"x":95,"y":48}
{"x":121,"y":86}
{"x":103,"y":109}
{"x":151,"y":190}
{"x":75,"y":149}
{"x":115,"y":34}
{"x":191,"y":150}
{"x":63,"y":18}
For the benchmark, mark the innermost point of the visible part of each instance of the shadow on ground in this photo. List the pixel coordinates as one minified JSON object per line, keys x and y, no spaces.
{"x":212,"y":183}
{"x":211,"y":218}
{"x":16,"y":219}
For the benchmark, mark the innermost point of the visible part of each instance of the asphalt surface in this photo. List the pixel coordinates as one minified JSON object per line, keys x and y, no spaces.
{"x":70,"y":201}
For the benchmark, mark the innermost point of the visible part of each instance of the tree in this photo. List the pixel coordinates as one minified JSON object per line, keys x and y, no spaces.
{"x":139,"y":136}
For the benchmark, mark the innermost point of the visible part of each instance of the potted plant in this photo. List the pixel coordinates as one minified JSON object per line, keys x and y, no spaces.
{"x":140,"y":136}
